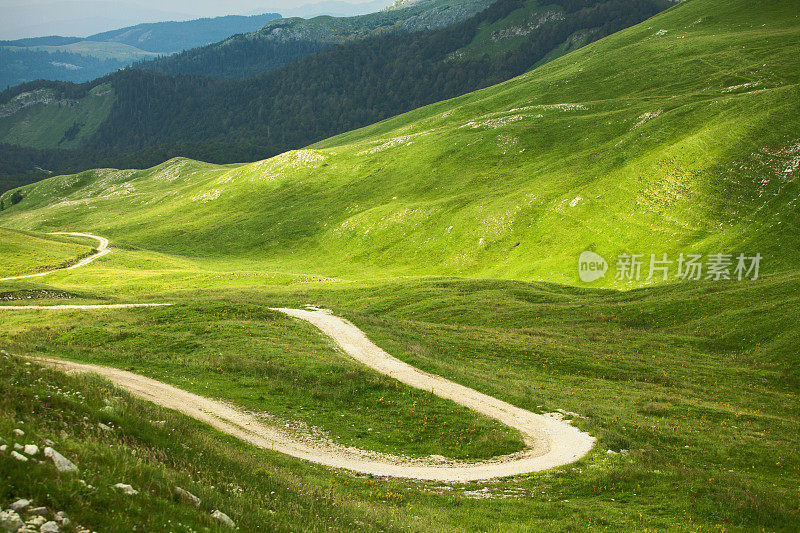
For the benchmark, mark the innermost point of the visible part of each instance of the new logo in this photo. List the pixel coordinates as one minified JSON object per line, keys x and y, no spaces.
{"x":591,"y":267}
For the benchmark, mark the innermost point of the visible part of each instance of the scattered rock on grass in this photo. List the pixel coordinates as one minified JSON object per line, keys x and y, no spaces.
{"x":20,"y":505}
{"x":19,"y":433}
{"x":62,"y":463}
{"x":223,"y":519}
{"x":19,"y":457}
{"x":10,"y":521}
{"x":184,"y":496}
{"x":127,"y":489}
{"x":38,"y":511}
{"x":35,"y":522}
{"x":61,"y":518}
{"x":31,"y":449}
{"x":50,"y":527}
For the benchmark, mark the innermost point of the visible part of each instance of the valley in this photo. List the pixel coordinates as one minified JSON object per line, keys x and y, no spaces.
{"x":388,"y":330}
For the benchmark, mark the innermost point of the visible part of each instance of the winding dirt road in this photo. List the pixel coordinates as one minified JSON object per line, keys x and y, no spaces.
{"x":102,"y":249}
{"x":550,"y":441}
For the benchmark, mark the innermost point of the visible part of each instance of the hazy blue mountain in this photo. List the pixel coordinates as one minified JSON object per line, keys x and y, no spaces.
{"x":169,"y":37}
{"x":77,"y":17}
{"x":74,"y":59}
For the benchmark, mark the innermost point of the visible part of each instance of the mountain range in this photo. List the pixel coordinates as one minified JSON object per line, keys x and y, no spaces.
{"x":81,"y":59}
{"x":136,"y":117}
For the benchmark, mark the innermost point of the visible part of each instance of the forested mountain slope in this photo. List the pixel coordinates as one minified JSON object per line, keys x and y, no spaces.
{"x":61,"y":127}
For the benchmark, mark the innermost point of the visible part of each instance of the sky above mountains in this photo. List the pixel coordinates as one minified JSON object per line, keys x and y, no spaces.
{"x":80,"y":18}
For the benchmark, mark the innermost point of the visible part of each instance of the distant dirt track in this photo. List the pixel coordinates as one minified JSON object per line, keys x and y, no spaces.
{"x":102,"y":249}
{"x":550,"y":441}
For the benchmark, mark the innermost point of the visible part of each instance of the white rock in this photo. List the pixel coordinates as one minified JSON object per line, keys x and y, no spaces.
{"x":3,"y":448}
{"x":19,"y":457}
{"x":20,"y":505}
{"x":224,"y":519}
{"x":36,"y":521}
{"x":50,"y":527}
{"x":19,"y":447}
{"x":187,"y":497}
{"x":19,"y":433}
{"x":10,"y":521}
{"x":31,"y":449}
{"x":62,"y":463}
{"x":127,"y":489}
{"x":38,"y":511}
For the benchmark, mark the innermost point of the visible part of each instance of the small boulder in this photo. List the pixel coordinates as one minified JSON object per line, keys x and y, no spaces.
{"x":10,"y":521}
{"x":19,"y":457}
{"x":62,"y":463}
{"x":19,"y":447}
{"x":3,"y":448}
{"x":184,"y":496}
{"x":127,"y":489}
{"x":223,"y":519}
{"x":38,"y":511}
{"x":50,"y":527}
{"x":19,"y":433}
{"x":20,"y":505}
{"x":31,"y":449}
{"x":36,"y":521}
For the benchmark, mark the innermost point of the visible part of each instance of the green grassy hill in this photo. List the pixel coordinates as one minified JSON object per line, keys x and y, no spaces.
{"x":677,"y":135}
{"x":342,"y":87}
{"x":25,"y":253}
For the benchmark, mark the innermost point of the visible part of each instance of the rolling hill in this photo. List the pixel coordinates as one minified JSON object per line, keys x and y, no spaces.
{"x":663,"y":138}
{"x":675,"y":136}
{"x":155,"y":116}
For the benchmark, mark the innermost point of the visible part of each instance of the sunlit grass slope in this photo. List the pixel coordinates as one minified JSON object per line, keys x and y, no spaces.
{"x":25,"y":253}
{"x":694,"y":388}
{"x":676,"y":135}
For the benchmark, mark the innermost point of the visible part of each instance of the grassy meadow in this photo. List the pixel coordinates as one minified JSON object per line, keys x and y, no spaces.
{"x":674,"y":136}
{"x":450,"y":235}
{"x":25,"y":253}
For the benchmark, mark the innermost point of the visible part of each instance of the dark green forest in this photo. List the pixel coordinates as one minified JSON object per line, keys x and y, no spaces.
{"x":340,"y":88}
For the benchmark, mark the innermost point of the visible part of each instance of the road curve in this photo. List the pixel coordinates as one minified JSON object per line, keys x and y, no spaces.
{"x":102,"y":249}
{"x":550,"y":441}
